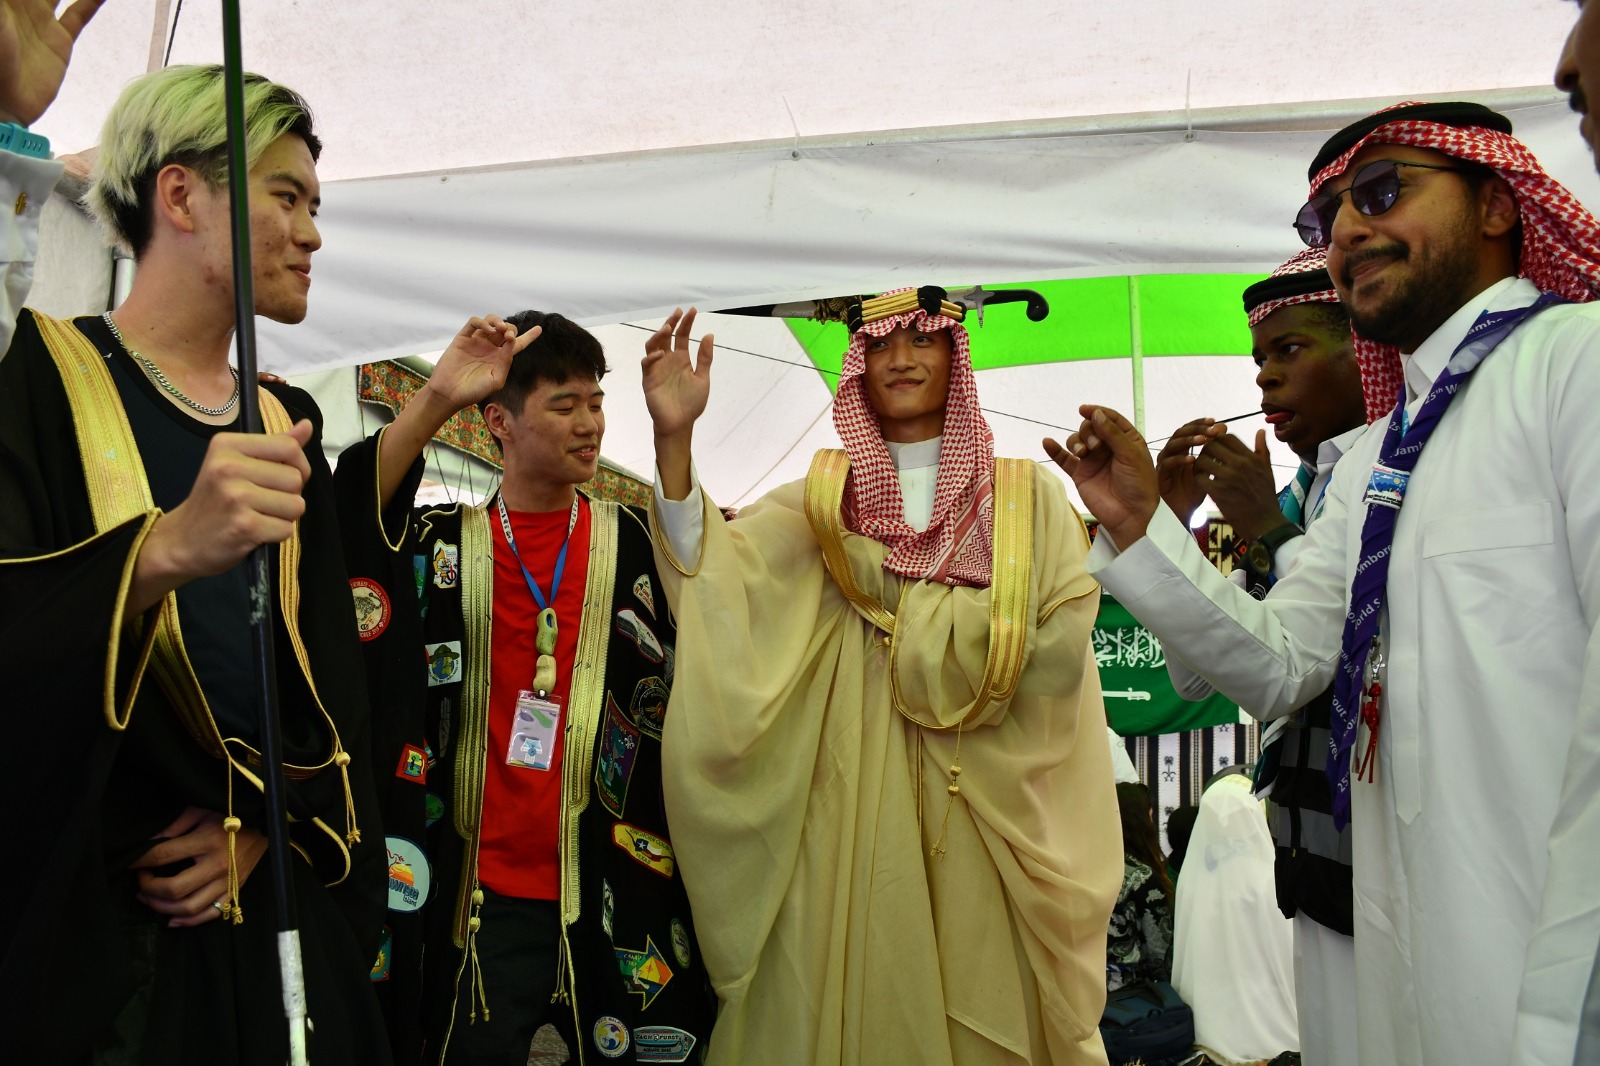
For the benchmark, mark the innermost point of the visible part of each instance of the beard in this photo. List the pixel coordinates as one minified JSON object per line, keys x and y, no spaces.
{"x":1407,"y":310}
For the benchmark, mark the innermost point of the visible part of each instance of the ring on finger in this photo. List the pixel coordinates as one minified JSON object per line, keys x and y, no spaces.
{"x":217,"y":903}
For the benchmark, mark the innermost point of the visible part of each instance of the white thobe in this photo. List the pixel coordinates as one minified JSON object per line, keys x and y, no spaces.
{"x":25,"y":185}
{"x":1324,"y":961}
{"x":1477,"y":848}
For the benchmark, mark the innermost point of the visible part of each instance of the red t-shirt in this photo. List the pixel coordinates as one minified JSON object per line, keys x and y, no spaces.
{"x":517,"y":851}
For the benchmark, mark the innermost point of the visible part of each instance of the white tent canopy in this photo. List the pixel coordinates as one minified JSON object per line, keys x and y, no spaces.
{"x":612,"y":162}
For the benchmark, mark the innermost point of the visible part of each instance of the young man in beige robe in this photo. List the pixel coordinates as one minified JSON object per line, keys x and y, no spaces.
{"x":885,"y":766}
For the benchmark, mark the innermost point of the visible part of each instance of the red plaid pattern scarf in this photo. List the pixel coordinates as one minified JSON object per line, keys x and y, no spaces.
{"x":1305,"y":262}
{"x":955,"y":549}
{"x":1560,"y":238}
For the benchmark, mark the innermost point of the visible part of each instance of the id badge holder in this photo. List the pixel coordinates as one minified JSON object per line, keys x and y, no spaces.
{"x":533,"y":731}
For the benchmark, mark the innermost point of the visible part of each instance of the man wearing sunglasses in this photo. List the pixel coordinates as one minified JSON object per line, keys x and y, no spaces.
{"x":1449,"y":590}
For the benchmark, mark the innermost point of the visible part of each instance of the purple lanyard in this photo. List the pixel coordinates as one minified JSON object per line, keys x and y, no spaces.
{"x":1402,"y":445}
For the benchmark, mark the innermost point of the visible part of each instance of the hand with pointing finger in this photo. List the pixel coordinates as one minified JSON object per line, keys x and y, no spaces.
{"x":1110,"y":463}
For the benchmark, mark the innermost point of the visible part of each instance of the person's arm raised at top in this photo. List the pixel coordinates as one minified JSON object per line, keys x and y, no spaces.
{"x":35,"y":47}
{"x":675,"y":391}
{"x":471,"y":370}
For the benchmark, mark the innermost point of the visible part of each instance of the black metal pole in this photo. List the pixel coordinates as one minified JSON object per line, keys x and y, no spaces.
{"x":290,"y":965}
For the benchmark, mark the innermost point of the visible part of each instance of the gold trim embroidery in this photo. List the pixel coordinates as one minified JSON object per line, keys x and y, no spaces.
{"x":586,"y":696}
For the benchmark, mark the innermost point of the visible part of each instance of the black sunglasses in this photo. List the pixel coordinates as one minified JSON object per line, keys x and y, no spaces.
{"x":1375,"y":189}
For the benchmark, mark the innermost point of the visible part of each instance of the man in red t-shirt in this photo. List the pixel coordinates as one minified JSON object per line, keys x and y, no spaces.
{"x":525,"y":805}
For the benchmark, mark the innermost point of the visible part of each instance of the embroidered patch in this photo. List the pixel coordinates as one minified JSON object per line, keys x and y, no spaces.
{"x":610,"y":1037}
{"x":372,"y":608}
{"x":427,"y":749}
{"x":666,"y":669}
{"x":645,"y":847}
{"x":434,"y":808}
{"x":680,"y":943}
{"x":644,"y":972}
{"x":444,"y":662}
{"x":609,"y":903}
{"x":446,"y":565}
{"x":649,"y":705}
{"x":409,"y":876}
{"x":413,"y":765}
{"x":1386,"y":487}
{"x":614,"y":768}
{"x":645,"y":593}
{"x":444,"y":724}
{"x":385,"y":961}
{"x":630,"y":625}
{"x":662,"y":1043}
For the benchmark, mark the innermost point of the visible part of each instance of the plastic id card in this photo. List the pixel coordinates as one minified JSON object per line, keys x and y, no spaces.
{"x":533,"y":732}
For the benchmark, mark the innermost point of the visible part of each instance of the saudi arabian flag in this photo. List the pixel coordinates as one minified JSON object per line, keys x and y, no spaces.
{"x":1140,"y":700}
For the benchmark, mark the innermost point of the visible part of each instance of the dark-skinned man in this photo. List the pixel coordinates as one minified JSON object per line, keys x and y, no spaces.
{"x":1311,"y":394}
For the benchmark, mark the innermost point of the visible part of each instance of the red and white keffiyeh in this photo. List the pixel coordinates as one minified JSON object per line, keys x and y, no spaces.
{"x":1302,"y":263}
{"x":1560,"y":238}
{"x":956,"y":548}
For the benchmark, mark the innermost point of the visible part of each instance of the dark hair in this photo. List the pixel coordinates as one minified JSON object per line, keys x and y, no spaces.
{"x":565,"y":350}
{"x":1180,"y":824}
{"x":1139,"y":837}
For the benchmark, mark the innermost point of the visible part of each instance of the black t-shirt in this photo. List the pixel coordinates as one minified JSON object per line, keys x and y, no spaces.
{"x":212,"y":611}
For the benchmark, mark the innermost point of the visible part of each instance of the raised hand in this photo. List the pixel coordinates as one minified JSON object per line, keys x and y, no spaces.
{"x":247,"y":493}
{"x":676,"y":390}
{"x":35,"y":48}
{"x":1110,"y":463}
{"x":475,"y":365}
{"x":1175,"y":475}
{"x":1239,"y":480}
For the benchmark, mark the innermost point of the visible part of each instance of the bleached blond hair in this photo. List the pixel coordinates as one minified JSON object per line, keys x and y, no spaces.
{"x":175,"y":115}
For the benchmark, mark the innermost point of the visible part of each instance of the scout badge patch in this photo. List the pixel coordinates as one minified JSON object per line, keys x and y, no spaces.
{"x":644,"y":593}
{"x":372,"y":608}
{"x":446,"y":565}
{"x":680,"y":942}
{"x":630,"y":625}
{"x":444,"y":663}
{"x":649,"y":705}
{"x":409,"y":875}
{"x":614,"y":768}
{"x":644,"y":847}
{"x":610,"y":1037}
{"x":385,"y":960}
{"x":413,"y":765}
{"x":662,"y":1043}
{"x":644,"y":972}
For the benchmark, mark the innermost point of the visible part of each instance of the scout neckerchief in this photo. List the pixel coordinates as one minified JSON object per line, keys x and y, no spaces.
{"x":544,"y":676}
{"x":1560,"y":238}
{"x":1362,"y":649}
{"x":1292,"y":500}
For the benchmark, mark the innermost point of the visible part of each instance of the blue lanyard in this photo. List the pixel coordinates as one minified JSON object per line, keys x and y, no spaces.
{"x":561,"y":557}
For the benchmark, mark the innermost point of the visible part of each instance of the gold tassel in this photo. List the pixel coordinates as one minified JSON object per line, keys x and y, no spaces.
{"x":352,"y":833}
{"x":479,"y":993}
{"x":954,"y":790}
{"x":231,"y":911}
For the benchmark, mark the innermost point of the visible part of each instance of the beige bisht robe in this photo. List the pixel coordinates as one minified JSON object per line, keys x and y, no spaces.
{"x":793,"y":789}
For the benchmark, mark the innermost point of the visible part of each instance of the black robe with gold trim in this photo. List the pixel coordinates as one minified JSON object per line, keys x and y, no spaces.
{"x":90,"y":799}
{"x":614,"y":837}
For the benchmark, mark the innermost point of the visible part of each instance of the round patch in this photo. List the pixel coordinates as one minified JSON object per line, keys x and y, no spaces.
{"x":434,"y":809}
{"x":611,"y":1037}
{"x":680,"y":942}
{"x":409,"y":875}
{"x":372,"y":607}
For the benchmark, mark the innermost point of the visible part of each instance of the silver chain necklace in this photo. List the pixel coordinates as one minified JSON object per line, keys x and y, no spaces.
{"x":154,"y":373}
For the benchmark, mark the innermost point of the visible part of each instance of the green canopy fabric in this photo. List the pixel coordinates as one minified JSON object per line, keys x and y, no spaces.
{"x":1140,"y":700}
{"x":1090,"y":318}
